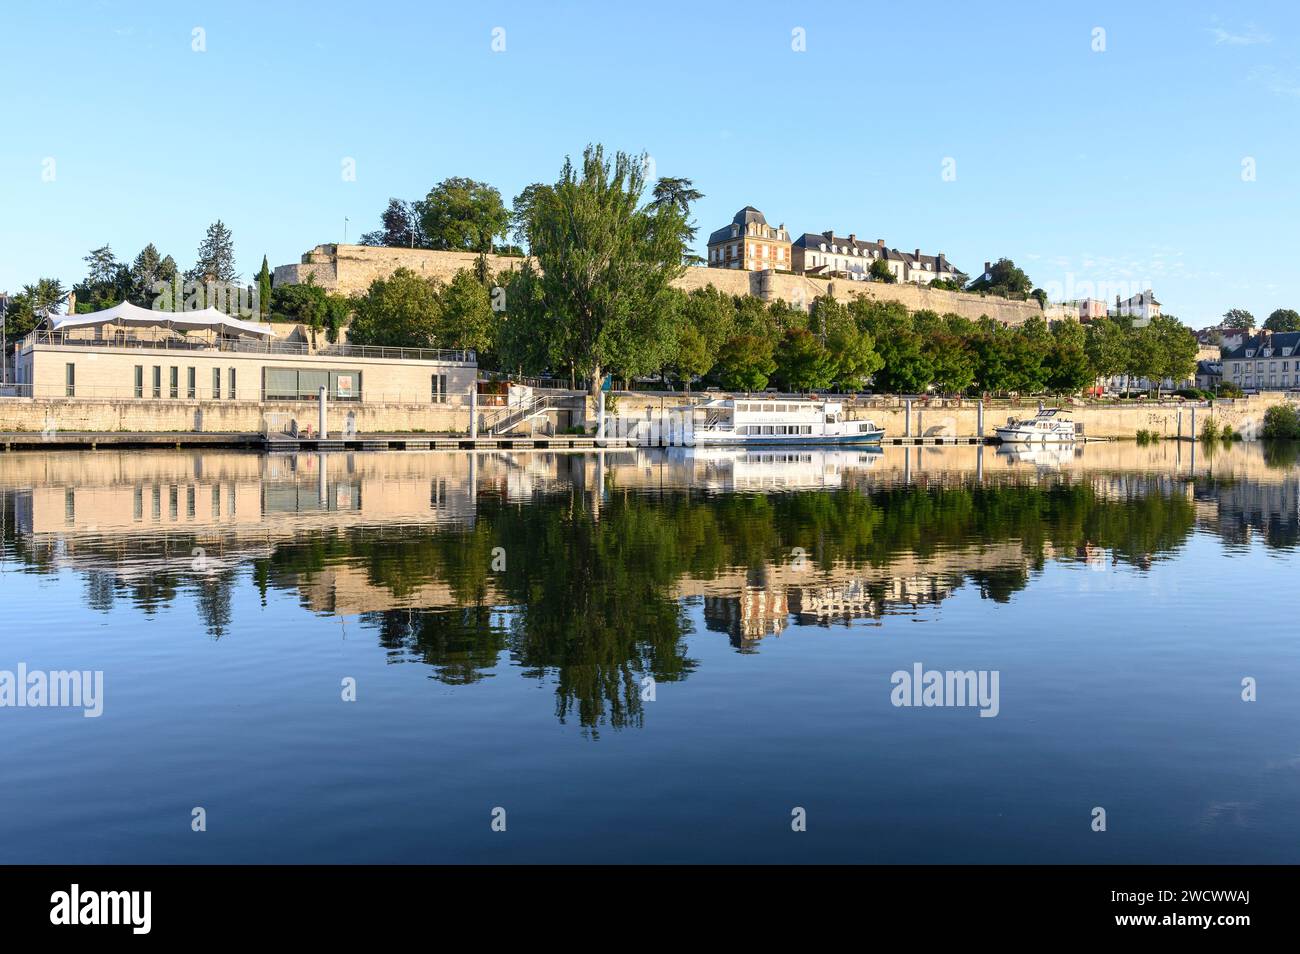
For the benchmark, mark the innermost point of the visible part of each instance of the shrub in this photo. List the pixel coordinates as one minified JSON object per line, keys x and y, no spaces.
{"x":1210,"y":430}
{"x":1281,"y":423}
{"x":1228,"y":434}
{"x":1146,"y":437}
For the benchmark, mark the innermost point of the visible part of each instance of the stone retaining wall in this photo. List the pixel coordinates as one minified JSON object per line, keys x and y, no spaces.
{"x":348,"y":269}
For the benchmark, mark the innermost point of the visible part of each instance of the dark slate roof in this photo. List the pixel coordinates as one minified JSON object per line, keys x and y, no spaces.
{"x":1276,"y":341}
{"x":814,"y":241}
{"x":746,"y":216}
{"x":1141,"y":298}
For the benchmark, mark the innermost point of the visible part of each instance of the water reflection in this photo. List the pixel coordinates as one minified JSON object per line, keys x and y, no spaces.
{"x":585,"y":570}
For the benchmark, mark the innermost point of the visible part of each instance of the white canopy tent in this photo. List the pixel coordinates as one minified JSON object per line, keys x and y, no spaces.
{"x":129,"y":315}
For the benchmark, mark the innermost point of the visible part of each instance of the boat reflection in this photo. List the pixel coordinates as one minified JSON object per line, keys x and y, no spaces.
{"x":591,"y":569}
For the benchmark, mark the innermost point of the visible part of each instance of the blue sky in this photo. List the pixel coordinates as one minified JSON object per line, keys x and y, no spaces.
{"x":1120,"y":168}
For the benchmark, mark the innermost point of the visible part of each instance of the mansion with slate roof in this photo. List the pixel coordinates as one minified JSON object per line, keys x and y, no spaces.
{"x":750,"y":243}
{"x":1269,"y":361}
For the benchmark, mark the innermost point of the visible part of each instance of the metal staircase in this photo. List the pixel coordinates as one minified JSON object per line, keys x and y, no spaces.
{"x":508,"y":418}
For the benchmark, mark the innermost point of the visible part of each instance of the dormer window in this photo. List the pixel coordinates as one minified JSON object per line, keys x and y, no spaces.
{"x":1286,"y":352}
{"x":822,"y":246}
{"x":1250,"y":352}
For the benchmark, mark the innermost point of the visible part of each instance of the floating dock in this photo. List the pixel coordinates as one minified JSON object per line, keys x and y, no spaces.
{"x":95,"y":440}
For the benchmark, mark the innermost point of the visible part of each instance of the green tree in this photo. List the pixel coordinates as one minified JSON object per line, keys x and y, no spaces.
{"x":1238,"y":318}
{"x":32,"y":305}
{"x":215,"y":259}
{"x":521,"y":213}
{"x":881,"y":272}
{"x":149,"y":268}
{"x":524,"y":340}
{"x":1176,"y":349}
{"x":802,"y":362}
{"x":462,"y":215}
{"x":1281,"y":422}
{"x":467,"y":319}
{"x":1003,"y":278}
{"x":905,"y":367}
{"x":400,"y":227}
{"x":403,"y":310}
{"x":745,"y":363}
{"x":264,"y":289}
{"x":606,"y":264}
{"x":692,"y":357}
{"x":853,"y":352}
{"x":1107,"y":347}
{"x":681,"y":194}
{"x":107,"y":281}
{"x":1283,"y":319}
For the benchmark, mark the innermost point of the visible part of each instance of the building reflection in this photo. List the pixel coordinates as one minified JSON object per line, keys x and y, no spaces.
{"x":589,"y":568}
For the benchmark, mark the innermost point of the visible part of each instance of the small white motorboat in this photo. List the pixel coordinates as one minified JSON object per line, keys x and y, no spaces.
{"x":1048,"y":426}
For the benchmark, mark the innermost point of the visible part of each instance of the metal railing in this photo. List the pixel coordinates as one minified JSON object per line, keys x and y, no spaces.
{"x":171,"y":341}
{"x":204,"y":395}
{"x":512,"y":416}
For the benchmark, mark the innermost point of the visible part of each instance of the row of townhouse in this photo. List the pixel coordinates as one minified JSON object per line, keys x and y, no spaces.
{"x":751,"y":244}
{"x":1269,"y":361}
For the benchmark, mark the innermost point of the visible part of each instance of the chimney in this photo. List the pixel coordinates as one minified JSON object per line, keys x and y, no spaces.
{"x":880,"y":243}
{"x":853,"y":239}
{"x":987,"y":267}
{"x":918,"y":256}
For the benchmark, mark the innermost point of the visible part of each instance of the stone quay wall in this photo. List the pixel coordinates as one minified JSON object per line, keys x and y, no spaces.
{"x":349,"y":269}
{"x":960,"y":418}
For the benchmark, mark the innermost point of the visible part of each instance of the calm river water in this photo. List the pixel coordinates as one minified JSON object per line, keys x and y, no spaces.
{"x":654,"y":656}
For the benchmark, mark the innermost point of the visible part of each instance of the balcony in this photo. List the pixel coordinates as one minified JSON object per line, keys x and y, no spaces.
{"x":168,"y":340}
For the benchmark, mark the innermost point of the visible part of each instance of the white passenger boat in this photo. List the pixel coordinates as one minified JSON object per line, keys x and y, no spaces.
{"x":1049,"y":426}
{"x":763,"y":421}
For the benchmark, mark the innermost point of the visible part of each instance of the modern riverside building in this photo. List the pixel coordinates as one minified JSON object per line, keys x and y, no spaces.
{"x":128,"y":353}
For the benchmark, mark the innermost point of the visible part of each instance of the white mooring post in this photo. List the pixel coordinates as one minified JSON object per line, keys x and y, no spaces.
{"x":1193,"y":426}
{"x":907,"y":419}
{"x":473,"y":411}
{"x":979,"y":418}
{"x":324,"y":428}
{"x":600,"y":417}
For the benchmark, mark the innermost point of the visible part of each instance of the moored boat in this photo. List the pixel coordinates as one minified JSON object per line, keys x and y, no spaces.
{"x":761,"y":421}
{"x":1048,"y":426}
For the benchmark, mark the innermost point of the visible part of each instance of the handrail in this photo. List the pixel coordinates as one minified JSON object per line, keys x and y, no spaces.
{"x":511,"y":415}
{"x":175,"y":342}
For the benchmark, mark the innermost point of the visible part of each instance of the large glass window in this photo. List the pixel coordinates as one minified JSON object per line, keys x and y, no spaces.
{"x":157,"y":381}
{"x":70,"y":379}
{"x":191,"y":384}
{"x":295,"y":384}
{"x":439,"y":389}
{"x":216,"y":383}
{"x":232,"y":384}
{"x":174,"y":383}
{"x":139,"y":380}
